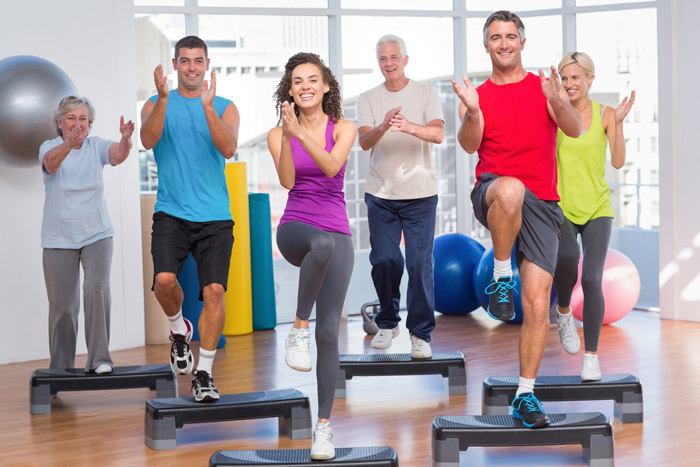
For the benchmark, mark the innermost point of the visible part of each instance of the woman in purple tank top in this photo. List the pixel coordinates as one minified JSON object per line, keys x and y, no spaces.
{"x":310,"y":150}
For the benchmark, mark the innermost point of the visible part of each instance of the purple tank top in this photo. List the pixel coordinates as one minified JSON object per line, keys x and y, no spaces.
{"x":316,"y":199}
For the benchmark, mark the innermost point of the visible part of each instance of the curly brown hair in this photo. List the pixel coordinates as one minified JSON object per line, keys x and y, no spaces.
{"x":332,"y":101}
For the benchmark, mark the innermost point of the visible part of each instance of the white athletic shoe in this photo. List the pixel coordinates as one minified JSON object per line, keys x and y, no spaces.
{"x":382,"y":340}
{"x":297,"y":345}
{"x":322,"y":443}
{"x":567,"y":334}
{"x":420,"y":348}
{"x":591,"y":368}
{"x":181,"y":358}
{"x":103,"y":368}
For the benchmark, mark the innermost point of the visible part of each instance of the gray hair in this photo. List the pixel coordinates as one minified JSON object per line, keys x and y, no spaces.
{"x":390,"y":38}
{"x":70,"y":103}
{"x":505,"y":16}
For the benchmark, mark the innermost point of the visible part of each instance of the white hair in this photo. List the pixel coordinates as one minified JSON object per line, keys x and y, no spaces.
{"x":70,"y":103}
{"x":390,"y":38}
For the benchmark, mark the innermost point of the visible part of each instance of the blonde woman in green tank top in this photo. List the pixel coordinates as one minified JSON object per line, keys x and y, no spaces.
{"x":585,"y":201}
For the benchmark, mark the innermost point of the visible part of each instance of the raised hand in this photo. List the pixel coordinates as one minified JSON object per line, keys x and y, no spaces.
{"x":386,"y":124}
{"x":552,"y":87}
{"x":75,"y":137}
{"x":624,"y":108}
{"x":209,"y":90}
{"x":290,"y":122}
{"x":161,"y":82}
{"x":126,"y":129}
{"x":467,"y":94}
{"x":400,"y":123}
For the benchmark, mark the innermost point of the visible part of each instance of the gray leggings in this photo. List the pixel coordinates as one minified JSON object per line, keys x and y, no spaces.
{"x":62,"y":276}
{"x":326,"y":260}
{"x":595,"y":237}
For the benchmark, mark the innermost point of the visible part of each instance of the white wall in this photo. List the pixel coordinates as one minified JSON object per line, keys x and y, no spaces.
{"x":679,"y":120}
{"x":93,"y":42}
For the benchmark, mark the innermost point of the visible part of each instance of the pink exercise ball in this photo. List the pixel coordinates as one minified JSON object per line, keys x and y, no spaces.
{"x":621,"y":288}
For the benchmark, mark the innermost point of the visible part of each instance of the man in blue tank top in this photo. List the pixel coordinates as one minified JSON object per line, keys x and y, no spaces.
{"x":191,"y":131}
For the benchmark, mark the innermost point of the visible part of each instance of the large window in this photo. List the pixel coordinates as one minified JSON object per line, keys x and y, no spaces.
{"x":250,"y":44}
{"x":155,"y":36}
{"x":626,"y":61}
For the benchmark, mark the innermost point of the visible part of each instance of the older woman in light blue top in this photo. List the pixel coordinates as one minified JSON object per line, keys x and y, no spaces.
{"x":76,"y":230}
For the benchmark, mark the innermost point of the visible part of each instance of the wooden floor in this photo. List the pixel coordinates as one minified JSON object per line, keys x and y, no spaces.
{"x":98,"y":428}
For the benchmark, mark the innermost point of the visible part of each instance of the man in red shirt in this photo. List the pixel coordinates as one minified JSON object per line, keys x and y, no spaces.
{"x":512,"y":120}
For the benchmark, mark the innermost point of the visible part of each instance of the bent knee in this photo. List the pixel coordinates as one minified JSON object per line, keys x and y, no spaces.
{"x":165,"y":281}
{"x":507,"y":192}
{"x":322,"y":246}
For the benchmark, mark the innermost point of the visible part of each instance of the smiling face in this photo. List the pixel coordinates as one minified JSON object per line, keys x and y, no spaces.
{"x":191,"y":65}
{"x":308,"y":87}
{"x":503,"y":44}
{"x":74,"y":118}
{"x":391,"y":62}
{"x":575,"y":81}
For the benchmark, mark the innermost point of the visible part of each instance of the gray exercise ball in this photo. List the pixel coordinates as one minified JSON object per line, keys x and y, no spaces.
{"x":30,"y":90}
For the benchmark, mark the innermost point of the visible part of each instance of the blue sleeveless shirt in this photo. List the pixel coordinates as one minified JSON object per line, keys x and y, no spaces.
{"x":191,"y":180}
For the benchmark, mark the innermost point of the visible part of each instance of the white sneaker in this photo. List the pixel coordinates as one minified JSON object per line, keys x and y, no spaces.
{"x":591,"y":368}
{"x":567,"y":334}
{"x":103,"y":368}
{"x":420,"y":348}
{"x":297,"y":345}
{"x":382,"y":340}
{"x":322,"y":443}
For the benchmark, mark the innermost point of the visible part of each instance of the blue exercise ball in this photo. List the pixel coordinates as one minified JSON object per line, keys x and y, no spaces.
{"x":455,"y":257}
{"x":30,"y":90}
{"x":483,"y":273}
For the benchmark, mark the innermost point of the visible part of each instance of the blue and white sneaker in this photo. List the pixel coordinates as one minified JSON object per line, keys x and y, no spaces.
{"x":501,"y":305}
{"x":527,"y":408}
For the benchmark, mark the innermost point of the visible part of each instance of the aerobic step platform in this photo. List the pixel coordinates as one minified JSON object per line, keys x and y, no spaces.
{"x":47,"y":382}
{"x":165,"y":416}
{"x":450,"y":365}
{"x":380,"y":456}
{"x":626,"y":390}
{"x":452,"y":434}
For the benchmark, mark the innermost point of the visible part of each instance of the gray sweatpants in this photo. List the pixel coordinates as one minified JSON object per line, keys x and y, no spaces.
{"x":62,"y":275}
{"x":326,"y":260}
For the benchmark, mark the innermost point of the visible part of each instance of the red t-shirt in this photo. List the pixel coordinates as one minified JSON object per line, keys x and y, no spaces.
{"x":520,"y":138}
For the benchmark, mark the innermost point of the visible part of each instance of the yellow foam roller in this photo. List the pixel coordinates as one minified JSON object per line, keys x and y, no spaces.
{"x":239,"y":297}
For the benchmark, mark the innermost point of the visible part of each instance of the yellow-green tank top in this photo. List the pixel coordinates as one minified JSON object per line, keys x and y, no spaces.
{"x":582,"y":187}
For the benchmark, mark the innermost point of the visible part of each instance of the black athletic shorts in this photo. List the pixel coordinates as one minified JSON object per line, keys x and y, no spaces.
{"x":210,"y":243}
{"x":538,"y":239}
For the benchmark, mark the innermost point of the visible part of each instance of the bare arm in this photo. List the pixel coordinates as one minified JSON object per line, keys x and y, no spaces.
{"x":433,"y":132}
{"x":331,"y":162}
{"x":224,"y":130}
{"x":153,"y":115}
{"x":369,"y":137}
{"x":472,"y":128}
{"x":280,"y":148}
{"x":118,"y":152}
{"x":558,"y":106}
{"x":612,"y":124}
{"x":54,"y":158}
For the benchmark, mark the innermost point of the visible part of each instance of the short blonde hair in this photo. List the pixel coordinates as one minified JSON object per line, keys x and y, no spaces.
{"x":69,"y":103}
{"x":581,"y":59}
